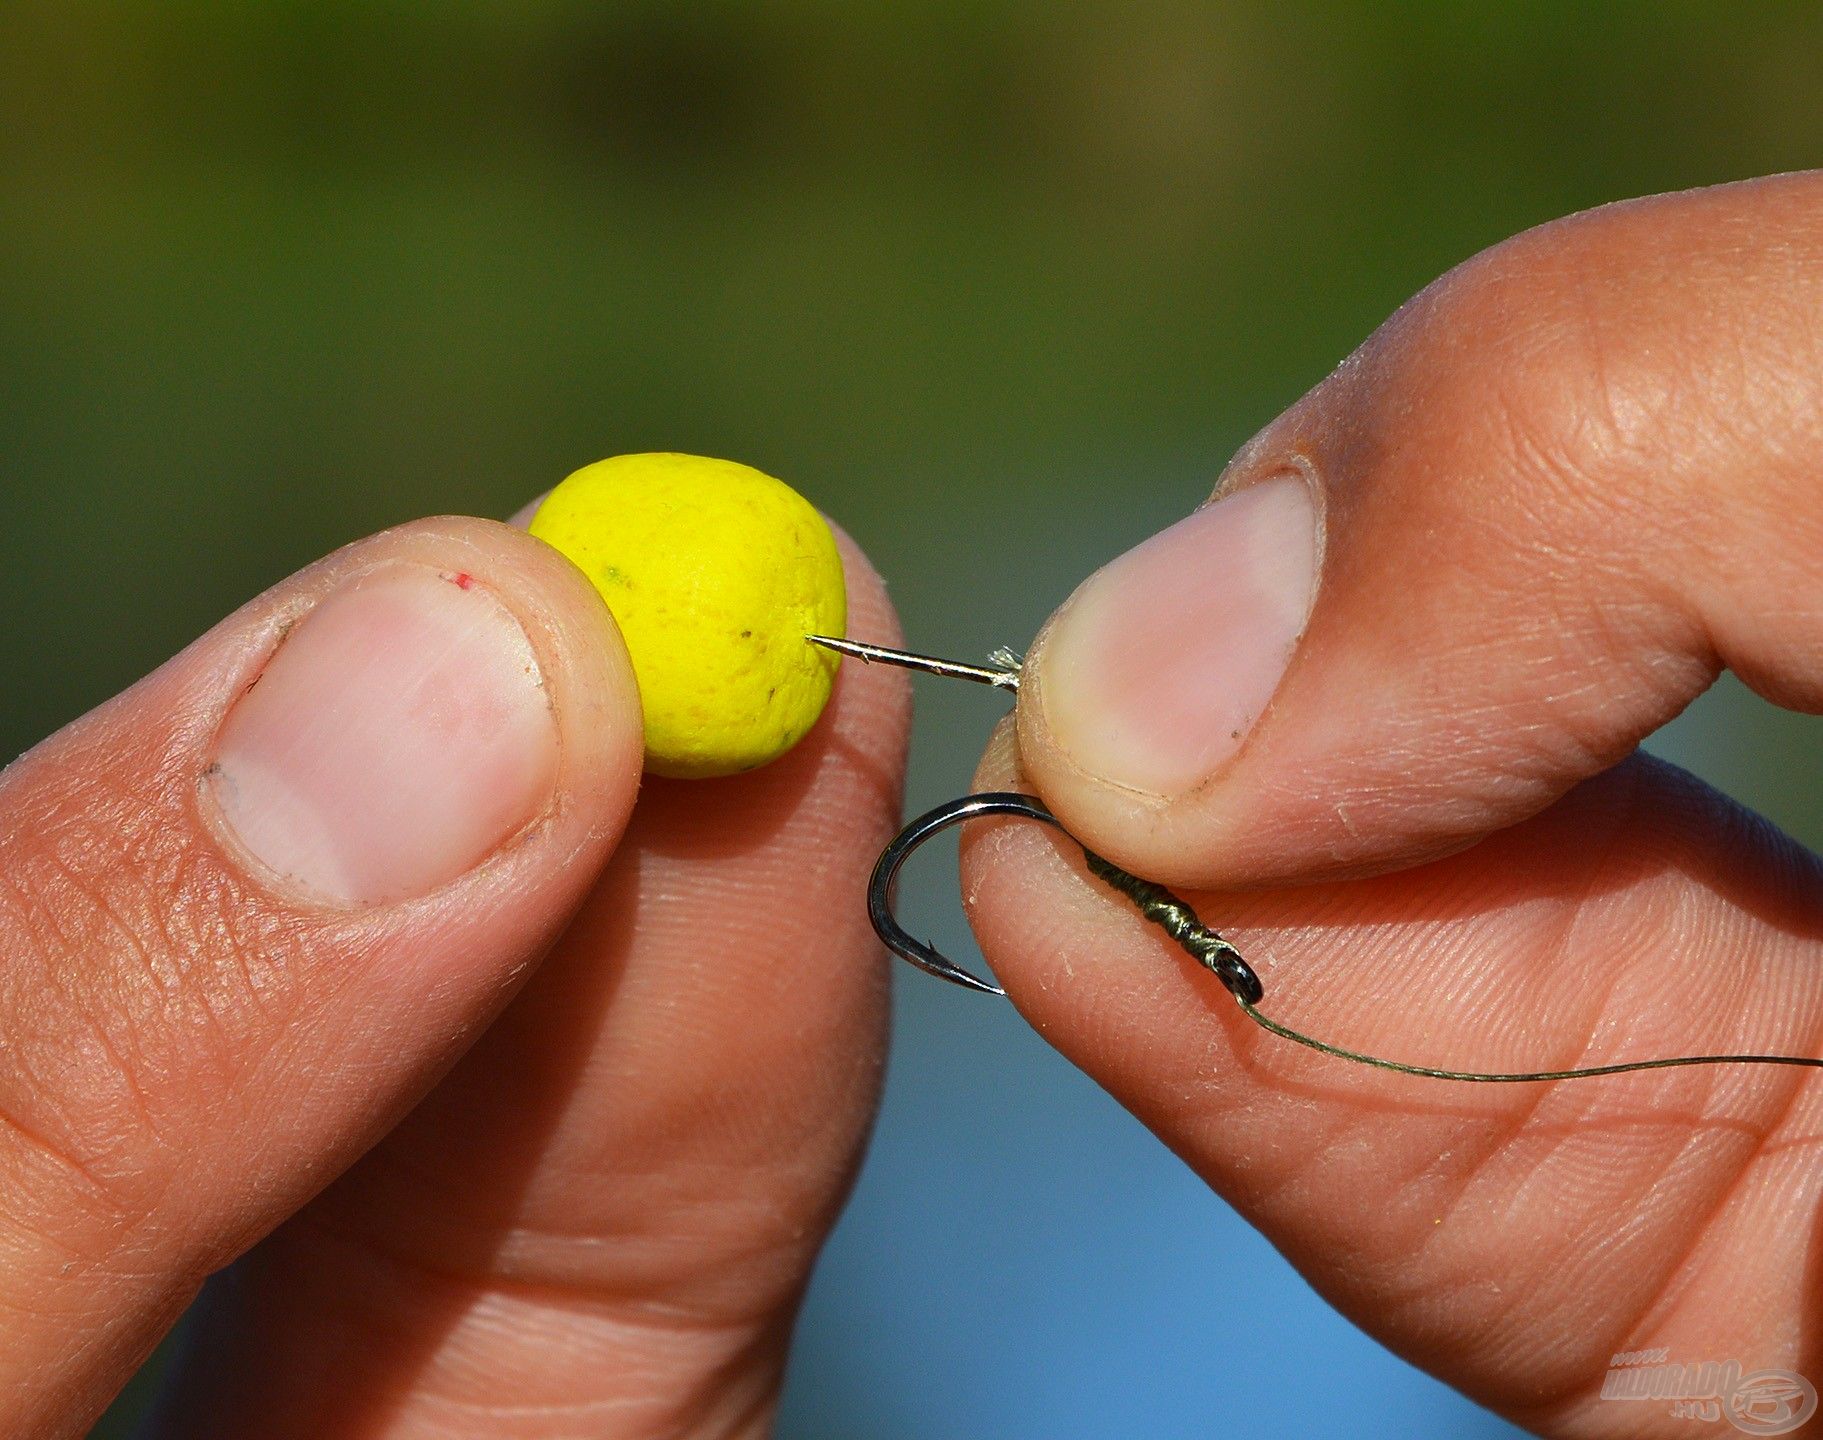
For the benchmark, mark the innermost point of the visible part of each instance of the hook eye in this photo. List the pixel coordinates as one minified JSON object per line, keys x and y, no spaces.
{"x":882,"y":888}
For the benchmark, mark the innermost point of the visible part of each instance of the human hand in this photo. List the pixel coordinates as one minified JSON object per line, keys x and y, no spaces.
{"x":255,"y":908}
{"x":1547,"y":502}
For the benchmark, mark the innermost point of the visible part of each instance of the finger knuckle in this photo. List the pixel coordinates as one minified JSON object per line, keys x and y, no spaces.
{"x":1604,"y":362}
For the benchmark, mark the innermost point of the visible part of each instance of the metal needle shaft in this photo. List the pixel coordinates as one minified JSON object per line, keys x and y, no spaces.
{"x":1004,"y":677}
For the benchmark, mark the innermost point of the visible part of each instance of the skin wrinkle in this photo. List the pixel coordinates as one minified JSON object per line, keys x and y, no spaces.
{"x":232,"y":991}
{"x":84,"y":903}
{"x":1676,"y":1164}
{"x":1765,"y":1143}
{"x":1499,"y":1318}
{"x":1595,"y":1240}
{"x":1712,"y":1086}
{"x":263,"y":1021}
{"x":1473,"y":1177}
{"x":147,"y":923}
{"x":1628,"y":423}
{"x":1505,"y":1134}
{"x":63,"y":1159}
{"x":1639,"y":1331}
{"x":126,"y":915}
{"x":459,"y":1418}
{"x":1699,"y":1229}
{"x":83,"y":1154}
{"x":410,"y":1274}
{"x":1559,"y":431}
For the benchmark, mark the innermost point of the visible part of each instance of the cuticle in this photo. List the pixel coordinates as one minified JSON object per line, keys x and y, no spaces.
{"x":1294,"y":462}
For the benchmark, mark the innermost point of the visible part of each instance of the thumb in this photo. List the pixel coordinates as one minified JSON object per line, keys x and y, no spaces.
{"x":1516,"y":532}
{"x":1522,"y":527}
{"x":253,"y":907}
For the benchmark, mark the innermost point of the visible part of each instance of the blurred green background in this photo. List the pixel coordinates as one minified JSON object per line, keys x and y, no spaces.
{"x":998,"y":285}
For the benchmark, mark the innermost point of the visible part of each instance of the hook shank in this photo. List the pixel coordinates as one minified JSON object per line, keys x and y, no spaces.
{"x":1155,"y":902}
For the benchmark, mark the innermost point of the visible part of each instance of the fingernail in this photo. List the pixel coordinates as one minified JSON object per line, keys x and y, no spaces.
{"x":1157,"y":667}
{"x":398,"y":735}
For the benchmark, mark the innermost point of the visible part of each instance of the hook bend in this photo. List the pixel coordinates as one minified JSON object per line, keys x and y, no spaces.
{"x":882,"y":888}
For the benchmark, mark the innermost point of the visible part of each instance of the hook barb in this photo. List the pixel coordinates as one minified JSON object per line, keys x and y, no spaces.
{"x":883,"y":887}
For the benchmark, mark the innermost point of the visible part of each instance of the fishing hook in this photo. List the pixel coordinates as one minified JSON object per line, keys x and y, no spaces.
{"x":1153,"y":901}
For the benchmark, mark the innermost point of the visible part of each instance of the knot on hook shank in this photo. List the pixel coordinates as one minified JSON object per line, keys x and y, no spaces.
{"x":1180,"y":922}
